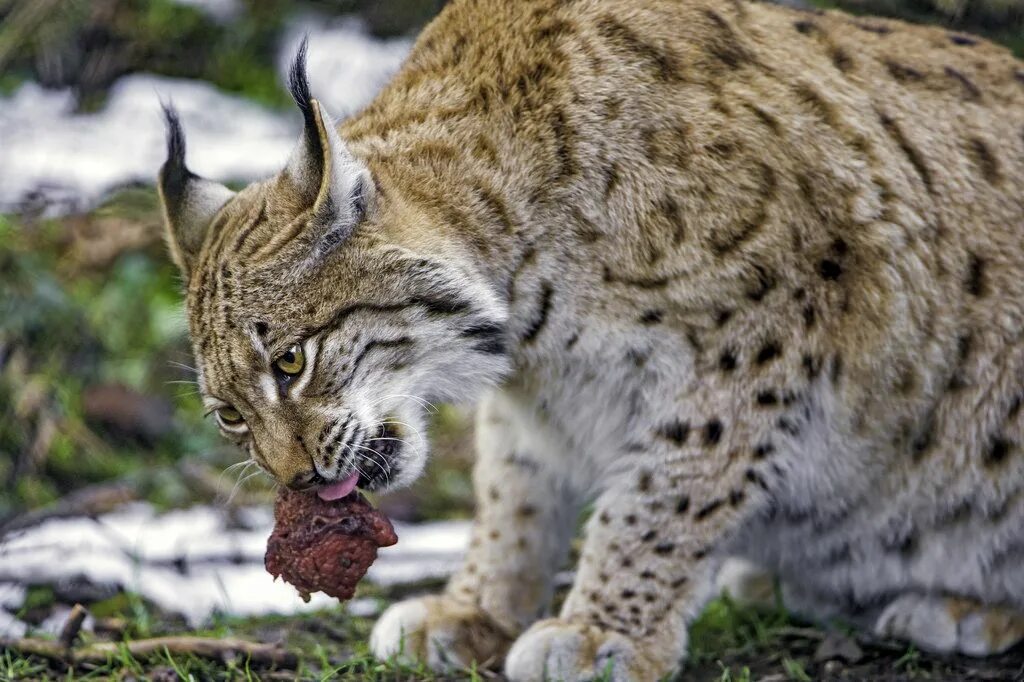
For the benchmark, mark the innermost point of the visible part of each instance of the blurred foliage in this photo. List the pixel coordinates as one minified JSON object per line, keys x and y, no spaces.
{"x":68,"y":329}
{"x":999,"y":20}
{"x":88,"y":44}
{"x":1000,"y":17}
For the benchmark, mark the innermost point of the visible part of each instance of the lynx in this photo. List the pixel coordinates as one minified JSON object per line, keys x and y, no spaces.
{"x":746,"y":281}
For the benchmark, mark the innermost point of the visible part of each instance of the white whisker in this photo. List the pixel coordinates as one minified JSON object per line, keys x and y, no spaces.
{"x":180,"y":365}
{"x":425,"y":404}
{"x":238,"y":485}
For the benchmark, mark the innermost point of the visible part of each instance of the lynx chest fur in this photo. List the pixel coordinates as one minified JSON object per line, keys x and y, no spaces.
{"x":747,"y":279}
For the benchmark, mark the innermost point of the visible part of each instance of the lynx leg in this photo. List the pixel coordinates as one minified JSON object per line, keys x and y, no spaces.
{"x":520,"y":537}
{"x":648,"y":563}
{"x":951,"y":625}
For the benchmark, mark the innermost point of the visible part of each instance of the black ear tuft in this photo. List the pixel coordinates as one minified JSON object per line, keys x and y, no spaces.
{"x":174,"y":175}
{"x":298,"y":84}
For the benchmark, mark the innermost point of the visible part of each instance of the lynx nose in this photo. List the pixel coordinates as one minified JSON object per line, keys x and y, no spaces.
{"x":306,"y":480}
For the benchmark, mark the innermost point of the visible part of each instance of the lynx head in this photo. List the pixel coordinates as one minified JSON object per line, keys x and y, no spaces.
{"x":324,"y":311}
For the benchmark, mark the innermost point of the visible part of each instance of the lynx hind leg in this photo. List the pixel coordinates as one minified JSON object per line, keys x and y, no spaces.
{"x":951,"y":625}
{"x":746,"y":583}
{"x":521,"y":533}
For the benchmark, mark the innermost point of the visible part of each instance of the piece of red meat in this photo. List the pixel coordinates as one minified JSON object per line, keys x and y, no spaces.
{"x":320,"y":546}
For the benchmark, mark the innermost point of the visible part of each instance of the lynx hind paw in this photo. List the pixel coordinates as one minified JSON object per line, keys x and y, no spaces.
{"x":949,"y":625}
{"x":439,"y":632}
{"x":568,"y":651}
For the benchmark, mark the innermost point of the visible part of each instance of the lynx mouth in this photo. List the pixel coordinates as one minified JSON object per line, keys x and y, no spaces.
{"x":377,"y":458}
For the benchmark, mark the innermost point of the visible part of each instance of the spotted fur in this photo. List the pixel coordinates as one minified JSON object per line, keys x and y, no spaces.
{"x":747,"y":279}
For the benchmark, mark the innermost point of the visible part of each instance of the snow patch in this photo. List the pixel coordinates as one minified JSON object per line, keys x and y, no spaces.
{"x":57,"y":161}
{"x":196,"y":562}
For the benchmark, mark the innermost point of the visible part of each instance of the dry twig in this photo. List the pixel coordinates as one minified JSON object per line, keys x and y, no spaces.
{"x":256,"y":653}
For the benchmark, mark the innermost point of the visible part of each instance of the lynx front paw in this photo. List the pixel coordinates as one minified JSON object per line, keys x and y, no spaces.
{"x":567,"y":651}
{"x":444,"y":634}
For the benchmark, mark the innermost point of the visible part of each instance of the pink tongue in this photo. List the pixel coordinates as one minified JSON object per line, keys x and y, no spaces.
{"x":336,"y":491}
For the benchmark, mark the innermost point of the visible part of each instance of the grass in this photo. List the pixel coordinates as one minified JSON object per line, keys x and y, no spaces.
{"x":332,"y":646}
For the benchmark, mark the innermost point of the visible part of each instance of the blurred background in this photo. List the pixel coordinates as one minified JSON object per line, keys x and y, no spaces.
{"x":114,"y":492}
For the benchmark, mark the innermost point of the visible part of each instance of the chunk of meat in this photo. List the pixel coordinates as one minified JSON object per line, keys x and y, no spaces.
{"x":320,"y":546}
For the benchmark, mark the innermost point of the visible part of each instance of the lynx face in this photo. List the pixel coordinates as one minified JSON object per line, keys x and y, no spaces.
{"x":322,"y":328}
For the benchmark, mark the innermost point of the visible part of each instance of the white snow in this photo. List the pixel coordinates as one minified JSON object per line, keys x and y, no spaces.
{"x":56,"y":160}
{"x":194,"y":563}
{"x":220,"y":10}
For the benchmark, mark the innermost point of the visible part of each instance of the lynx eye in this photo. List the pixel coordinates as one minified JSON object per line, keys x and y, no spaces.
{"x":291,"y":361}
{"x":229,"y":416}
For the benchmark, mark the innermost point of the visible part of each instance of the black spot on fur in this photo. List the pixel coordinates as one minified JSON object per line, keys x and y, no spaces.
{"x":663,"y":62}
{"x":708,"y":509}
{"x":675,"y":431}
{"x":809,"y":316}
{"x":788,"y":426}
{"x":541,"y":316}
{"x":805,"y":27}
{"x":651,"y":317}
{"x":766,"y":281}
{"x":754,"y":477}
{"x":997,"y":451}
{"x":811,"y":365}
{"x":969,"y":91}
{"x":984,"y":159}
{"x":976,"y":276}
{"x":841,"y":59}
{"x":829,"y":269}
{"x":913,"y":155}
{"x":837,"y":369}
{"x":712,"y":432}
{"x":490,"y":337}
{"x":766,"y":118}
{"x":644,"y":482}
{"x":725,"y":44}
{"x":564,"y":136}
{"x":902,"y":72}
{"x":769,"y":351}
{"x":958,"y":380}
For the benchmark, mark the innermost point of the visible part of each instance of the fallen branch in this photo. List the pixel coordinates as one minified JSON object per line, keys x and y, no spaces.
{"x":202,"y":647}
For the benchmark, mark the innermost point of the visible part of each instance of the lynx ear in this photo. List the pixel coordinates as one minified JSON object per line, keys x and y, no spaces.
{"x":189,"y":201}
{"x":326,"y":174}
